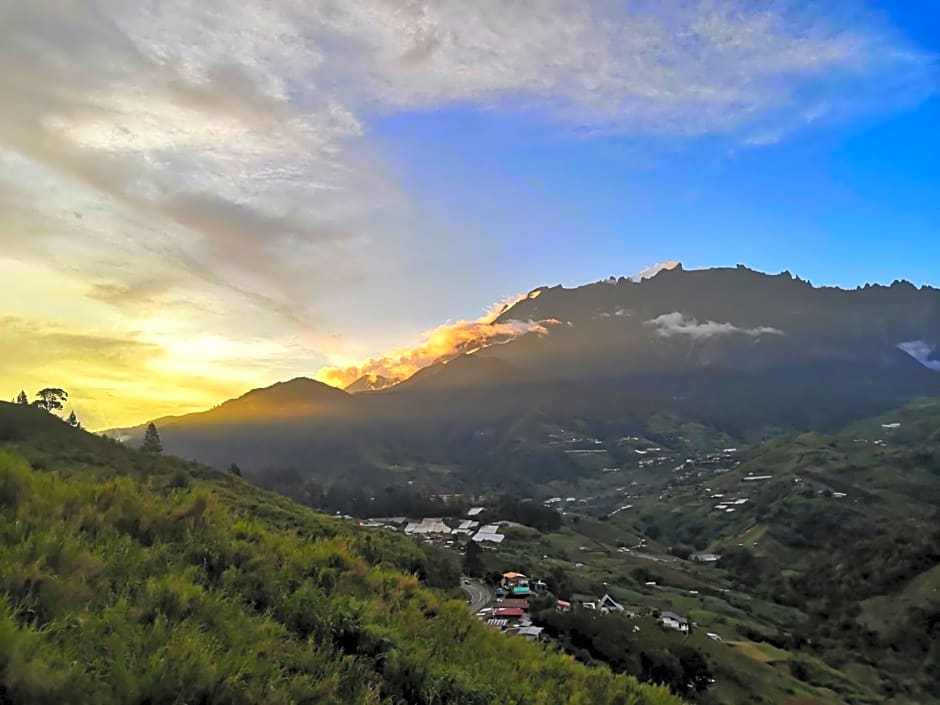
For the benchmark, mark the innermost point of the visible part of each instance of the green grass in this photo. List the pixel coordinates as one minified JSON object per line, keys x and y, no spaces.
{"x":130,"y":578}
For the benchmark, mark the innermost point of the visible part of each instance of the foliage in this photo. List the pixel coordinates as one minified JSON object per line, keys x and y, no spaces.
{"x":131,"y":577}
{"x":152,"y":440}
{"x":611,"y":639}
{"x":51,"y":399}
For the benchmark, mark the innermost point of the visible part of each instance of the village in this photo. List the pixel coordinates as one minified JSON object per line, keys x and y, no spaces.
{"x":510,"y":610}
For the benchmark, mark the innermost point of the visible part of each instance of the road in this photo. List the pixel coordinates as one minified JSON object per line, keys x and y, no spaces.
{"x":479,"y":594}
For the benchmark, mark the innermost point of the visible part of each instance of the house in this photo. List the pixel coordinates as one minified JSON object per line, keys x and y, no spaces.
{"x":473,"y":511}
{"x":516,"y":584}
{"x":529,"y":632}
{"x":512,"y":602}
{"x":513,"y":614}
{"x":482,"y":536}
{"x":705,"y":557}
{"x":562,"y":606}
{"x":671,"y":620}
{"x":608,"y":604}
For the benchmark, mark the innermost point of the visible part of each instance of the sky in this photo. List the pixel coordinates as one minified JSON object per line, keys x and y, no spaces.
{"x":197,"y":199}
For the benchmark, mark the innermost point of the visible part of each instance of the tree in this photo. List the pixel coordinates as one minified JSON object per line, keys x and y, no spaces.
{"x":473,"y":560}
{"x":72,"y":420}
{"x":235,"y":470}
{"x":152,"y":440}
{"x":21,"y":398}
{"x":51,"y":399}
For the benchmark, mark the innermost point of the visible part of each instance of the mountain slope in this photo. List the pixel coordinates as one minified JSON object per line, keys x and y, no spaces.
{"x":136,"y":578}
{"x":844,"y":528}
{"x":743,"y":353}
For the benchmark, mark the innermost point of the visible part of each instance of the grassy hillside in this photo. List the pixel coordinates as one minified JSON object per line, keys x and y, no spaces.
{"x":129,"y":578}
{"x":841,"y":530}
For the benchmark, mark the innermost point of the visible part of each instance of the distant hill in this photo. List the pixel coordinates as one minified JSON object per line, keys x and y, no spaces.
{"x":743,"y":353}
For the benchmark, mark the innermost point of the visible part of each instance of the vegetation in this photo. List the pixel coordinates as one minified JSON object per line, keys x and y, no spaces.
{"x":151,"y":442}
{"x":51,"y":399}
{"x":135,"y":577}
{"x":612,"y":639}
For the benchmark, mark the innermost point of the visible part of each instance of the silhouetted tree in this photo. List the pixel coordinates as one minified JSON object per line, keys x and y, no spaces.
{"x":51,"y":399}
{"x":235,"y":470}
{"x":152,"y":440}
{"x":72,"y":420}
{"x":21,"y":398}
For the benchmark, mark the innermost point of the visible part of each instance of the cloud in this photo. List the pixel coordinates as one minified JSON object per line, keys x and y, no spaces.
{"x":922,"y":352}
{"x":232,"y":133}
{"x":212,"y":162}
{"x":441,"y":343}
{"x":669,"y":325}
{"x":654,"y":269}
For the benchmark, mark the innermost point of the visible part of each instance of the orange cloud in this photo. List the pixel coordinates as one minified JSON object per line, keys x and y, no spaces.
{"x":442,"y":343}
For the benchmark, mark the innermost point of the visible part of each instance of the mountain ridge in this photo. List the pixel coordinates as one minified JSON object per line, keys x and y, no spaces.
{"x":742,"y":352}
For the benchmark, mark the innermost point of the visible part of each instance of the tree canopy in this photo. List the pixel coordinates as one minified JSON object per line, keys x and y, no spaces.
{"x":51,"y":399}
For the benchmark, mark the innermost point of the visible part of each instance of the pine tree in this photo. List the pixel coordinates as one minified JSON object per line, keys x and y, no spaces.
{"x":72,"y":420}
{"x":21,"y":398}
{"x":152,"y":440}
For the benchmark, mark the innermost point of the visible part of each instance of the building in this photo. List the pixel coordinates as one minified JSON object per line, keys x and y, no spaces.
{"x":428,"y":526}
{"x":608,"y":604}
{"x":521,"y":603}
{"x":671,"y":620}
{"x":513,"y":614}
{"x":562,"y":606}
{"x":705,"y":557}
{"x":528,"y":632}
{"x":515,"y":584}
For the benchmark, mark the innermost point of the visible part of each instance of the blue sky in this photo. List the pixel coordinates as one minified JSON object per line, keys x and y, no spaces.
{"x":845,"y":202}
{"x":200,"y":198}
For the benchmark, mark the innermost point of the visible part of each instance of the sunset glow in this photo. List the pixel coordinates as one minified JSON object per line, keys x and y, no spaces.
{"x":197,"y":199}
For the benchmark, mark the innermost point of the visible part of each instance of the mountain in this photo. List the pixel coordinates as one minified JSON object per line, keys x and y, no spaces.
{"x":128,"y":577}
{"x":371,"y":383}
{"x":740,"y":353}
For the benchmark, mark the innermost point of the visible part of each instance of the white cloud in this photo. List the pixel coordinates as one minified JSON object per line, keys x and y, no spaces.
{"x":922,"y":352}
{"x":669,"y":325}
{"x":214,"y":157}
{"x":231,"y":129}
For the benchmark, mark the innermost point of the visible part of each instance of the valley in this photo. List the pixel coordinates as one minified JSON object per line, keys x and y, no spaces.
{"x":802,"y":562}
{"x":710,"y":498}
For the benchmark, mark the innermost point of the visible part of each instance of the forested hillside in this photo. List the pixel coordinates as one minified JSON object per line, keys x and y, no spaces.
{"x":136,"y":578}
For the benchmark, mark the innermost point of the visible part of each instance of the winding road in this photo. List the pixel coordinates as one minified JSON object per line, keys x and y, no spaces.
{"x":479,"y":594}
